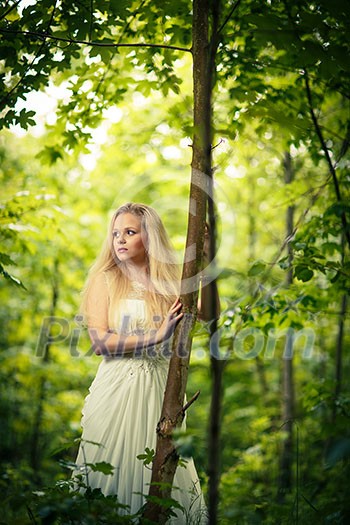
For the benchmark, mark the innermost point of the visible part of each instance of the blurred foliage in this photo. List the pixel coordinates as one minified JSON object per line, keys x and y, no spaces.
{"x":113,"y":125}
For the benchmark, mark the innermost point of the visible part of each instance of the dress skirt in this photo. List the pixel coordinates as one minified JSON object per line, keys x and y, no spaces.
{"x":119,"y":421}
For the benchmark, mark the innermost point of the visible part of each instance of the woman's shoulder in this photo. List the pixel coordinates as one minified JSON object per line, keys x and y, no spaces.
{"x":102,"y":279}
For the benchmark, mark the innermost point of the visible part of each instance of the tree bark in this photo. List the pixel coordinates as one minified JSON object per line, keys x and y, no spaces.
{"x":286,"y":459}
{"x":166,"y":457}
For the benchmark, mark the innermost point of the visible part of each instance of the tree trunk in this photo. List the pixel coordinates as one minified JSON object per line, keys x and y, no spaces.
{"x":339,"y":347}
{"x":251,"y":214}
{"x":286,"y":459}
{"x":216,"y":364}
{"x":214,"y":445}
{"x":35,"y":458}
{"x":166,"y":458}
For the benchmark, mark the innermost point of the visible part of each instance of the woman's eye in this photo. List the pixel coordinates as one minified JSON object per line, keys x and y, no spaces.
{"x":117,"y":234}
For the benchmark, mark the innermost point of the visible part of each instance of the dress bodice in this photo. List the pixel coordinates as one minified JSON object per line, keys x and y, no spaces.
{"x":131,"y":316}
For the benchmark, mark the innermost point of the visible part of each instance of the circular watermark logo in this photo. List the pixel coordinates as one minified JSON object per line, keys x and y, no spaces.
{"x":171,"y":200}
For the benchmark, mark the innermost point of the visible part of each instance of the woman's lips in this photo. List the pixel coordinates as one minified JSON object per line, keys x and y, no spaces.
{"x":122,"y":250}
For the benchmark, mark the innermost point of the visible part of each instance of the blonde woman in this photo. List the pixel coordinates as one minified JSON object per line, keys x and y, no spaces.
{"x":131,"y":308}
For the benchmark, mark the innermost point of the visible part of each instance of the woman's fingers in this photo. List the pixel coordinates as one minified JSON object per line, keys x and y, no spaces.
{"x":173,"y":317}
{"x":177,"y":317}
{"x":174,"y":312}
{"x":174,"y":306}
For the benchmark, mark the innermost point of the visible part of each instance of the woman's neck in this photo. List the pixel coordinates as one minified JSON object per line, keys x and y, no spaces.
{"x":138,"y":273}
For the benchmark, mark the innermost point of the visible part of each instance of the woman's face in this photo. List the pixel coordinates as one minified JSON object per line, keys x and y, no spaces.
{"x":128,"y":239}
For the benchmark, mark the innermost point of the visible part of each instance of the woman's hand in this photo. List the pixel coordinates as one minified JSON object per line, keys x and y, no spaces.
{"x":168,"y":325}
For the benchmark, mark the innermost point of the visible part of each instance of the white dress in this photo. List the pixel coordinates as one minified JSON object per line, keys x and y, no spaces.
{"x":121,"y":413}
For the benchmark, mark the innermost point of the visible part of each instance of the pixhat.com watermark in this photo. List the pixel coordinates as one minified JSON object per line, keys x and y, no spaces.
{"x":248,"y":343}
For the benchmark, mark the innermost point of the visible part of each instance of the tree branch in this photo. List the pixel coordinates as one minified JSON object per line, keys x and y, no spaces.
{"x":345,"y":145}
{"x":133,"y":16}
{"x":11,"y":8}
{"x":326,"y":152}
{"x":91,"y":18}
{"x":190,"y":402}
{"x":37,"y":54}
{"x":125,"y":28}
{"x":233,"y":9}
{"x":48,"y":36}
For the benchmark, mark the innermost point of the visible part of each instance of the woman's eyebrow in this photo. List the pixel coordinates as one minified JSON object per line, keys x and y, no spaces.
{"x":126,"y":228}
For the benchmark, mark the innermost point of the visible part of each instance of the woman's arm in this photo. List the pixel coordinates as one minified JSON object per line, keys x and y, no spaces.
{"x":105,"y":342}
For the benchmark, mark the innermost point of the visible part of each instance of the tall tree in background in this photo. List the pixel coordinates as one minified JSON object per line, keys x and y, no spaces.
{"x":287,"y":383}
{"x":44,"y":351}
{"x":339,"y":348}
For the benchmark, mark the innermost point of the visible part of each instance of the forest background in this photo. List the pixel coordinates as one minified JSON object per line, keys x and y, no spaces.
{"x":88,"y":127}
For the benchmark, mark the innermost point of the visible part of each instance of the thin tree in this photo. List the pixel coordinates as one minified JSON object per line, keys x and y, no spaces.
{"x":286,"y":458}
{"x":252,"y":237}
{"x":35,"y":456}
{"x":339,"y":348}
{"x":166,"y":458}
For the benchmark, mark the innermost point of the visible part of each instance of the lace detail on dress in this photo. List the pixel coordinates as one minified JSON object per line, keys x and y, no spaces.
{"x":137,"y":290}
{"x":146,"y":363}
{"x":131,"y":317}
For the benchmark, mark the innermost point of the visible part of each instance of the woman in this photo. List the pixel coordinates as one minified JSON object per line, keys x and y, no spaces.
{"x":131,"y":308}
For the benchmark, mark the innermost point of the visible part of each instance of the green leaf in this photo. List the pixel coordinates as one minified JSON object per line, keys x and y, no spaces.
{"x":102,"y":466}
{"x":50,"y":155}
{"x":166,"y":503}
{"x":64,"y":447}
{"x":257,"y":268}
{"x":67,"y":464}
{"x":337,"y":209}
{"x":331,"y":247}
{"x":284,"y":263}
{"x":119,"y":7}
{"x":13,"y":280}
{"x":6,"y":259}
{"x":225,"y":273}
{"x":303,"y":273}
{"x":148,"y":457}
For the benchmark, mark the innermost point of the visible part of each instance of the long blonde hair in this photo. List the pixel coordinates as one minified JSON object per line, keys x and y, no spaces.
{"x":163,"y":270}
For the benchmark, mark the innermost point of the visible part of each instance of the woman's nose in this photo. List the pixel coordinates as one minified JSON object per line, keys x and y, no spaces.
{"x":121,"y":240}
